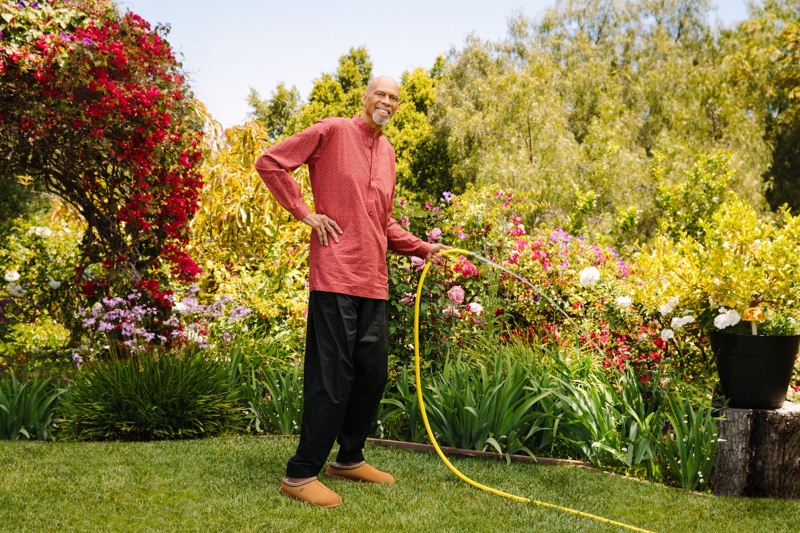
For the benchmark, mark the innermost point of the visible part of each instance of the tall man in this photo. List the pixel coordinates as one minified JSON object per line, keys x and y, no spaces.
{"x":352,"y":171}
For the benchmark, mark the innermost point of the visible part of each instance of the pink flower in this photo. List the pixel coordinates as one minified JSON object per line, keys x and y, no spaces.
{"x":474,"y":307}
{"x":450,"y":311}
{"x":456,"y":295}
{"x":417,"y":262}
{"x":434,"y":235}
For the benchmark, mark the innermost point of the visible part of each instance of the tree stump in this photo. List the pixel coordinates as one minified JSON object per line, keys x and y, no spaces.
{"x":759,"y":453}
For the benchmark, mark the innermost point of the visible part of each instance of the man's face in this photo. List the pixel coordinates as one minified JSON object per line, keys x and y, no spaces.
{"x":381,"y":100}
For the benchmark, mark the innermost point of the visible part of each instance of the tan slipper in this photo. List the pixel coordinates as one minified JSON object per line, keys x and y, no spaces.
{"x":310,"y":491}
{"x":359,"y":472}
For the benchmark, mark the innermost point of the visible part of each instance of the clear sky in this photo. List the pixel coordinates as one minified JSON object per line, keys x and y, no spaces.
{"x":228,"y":47}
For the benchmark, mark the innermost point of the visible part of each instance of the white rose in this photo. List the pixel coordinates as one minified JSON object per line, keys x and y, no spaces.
{"x":16,"y":290}
{"x":11,"y":275}
{"x":624,"y":301}
{"x":54,"y":284}
{"x":680,"y":322}
{"x":589,"y":276}
{"x":667,"y":334}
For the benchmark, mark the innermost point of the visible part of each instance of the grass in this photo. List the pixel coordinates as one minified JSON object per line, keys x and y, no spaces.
{"x":231,"y":484}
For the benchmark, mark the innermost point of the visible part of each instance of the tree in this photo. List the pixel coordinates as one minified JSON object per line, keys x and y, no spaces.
{"x":279,"y":113}
{"x":94,"y":107}
{"x":333,"y":95}
{"x":766,"y":53}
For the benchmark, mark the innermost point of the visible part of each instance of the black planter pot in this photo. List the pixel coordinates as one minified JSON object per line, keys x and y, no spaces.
{"x":754,"y":370}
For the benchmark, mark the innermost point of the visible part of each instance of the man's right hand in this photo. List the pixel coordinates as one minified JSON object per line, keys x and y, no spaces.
{"x":323,"y":225}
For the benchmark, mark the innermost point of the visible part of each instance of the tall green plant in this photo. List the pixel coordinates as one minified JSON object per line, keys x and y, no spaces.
{"x":475,"y":407}
{"x":27,"y":408}
{"x":274,"y":396}
{"x":687,"y":450}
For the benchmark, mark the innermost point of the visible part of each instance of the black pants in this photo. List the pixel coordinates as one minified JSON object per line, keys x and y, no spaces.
{"x":347,"y":347}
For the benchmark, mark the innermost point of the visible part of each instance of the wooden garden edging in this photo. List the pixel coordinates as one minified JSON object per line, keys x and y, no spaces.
{"x":759,"y":453}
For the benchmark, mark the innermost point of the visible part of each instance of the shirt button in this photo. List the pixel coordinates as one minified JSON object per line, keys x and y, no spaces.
{"x":370,"y":213}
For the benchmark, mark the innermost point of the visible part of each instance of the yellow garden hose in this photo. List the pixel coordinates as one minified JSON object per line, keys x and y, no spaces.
{"x":456,"y":251}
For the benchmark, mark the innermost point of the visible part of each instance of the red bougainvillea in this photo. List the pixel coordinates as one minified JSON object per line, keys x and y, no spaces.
{"x":94,"y":107}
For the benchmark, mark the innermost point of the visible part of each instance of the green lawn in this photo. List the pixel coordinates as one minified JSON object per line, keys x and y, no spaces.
{"x":231,"y":484}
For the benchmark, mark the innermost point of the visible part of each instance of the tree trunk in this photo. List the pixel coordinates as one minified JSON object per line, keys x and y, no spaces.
{"x":759,"y":453}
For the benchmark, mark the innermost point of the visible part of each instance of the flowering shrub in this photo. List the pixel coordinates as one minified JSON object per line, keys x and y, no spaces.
{"x":248,"y":245}
{"x":93,"y":105}
{"x":694,"y":286}
{"x":117,"y":325}
{"x":555,"y":286}
{"x":36,"y":299}
{"x":742,"y":262}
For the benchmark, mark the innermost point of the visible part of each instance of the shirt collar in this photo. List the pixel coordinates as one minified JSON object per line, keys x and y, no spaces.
{"x":366,"y":128}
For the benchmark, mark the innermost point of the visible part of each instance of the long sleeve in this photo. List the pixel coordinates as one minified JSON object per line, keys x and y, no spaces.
{"x":275,"y":164}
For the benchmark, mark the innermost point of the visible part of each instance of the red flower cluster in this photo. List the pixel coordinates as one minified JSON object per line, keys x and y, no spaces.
{"x":106,"y":122}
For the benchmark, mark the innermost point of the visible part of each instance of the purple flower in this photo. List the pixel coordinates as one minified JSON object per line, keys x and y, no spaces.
{"x":462,"y":235}
{"x":448,"y":197}
{"x":77,"y":359}
{"x":456,"y":295}
{"x":239,"y":312}
{"x":21,"y":4}
{"x":88,"y":42}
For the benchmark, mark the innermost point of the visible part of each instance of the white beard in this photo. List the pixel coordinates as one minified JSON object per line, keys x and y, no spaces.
{"x":379,"y":119}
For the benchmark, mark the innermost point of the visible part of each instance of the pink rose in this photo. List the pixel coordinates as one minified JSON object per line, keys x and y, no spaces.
{"x":456,"y":295}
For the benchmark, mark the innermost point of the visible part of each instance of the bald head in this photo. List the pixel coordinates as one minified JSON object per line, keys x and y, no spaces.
{"x":381,"y":101}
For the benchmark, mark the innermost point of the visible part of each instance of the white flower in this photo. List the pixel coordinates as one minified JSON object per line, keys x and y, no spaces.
{"x":16,"y":290}
{"x":40,"y":231}
{"x":667,"y":334}
{"x":726,"y":318}
{"x":668,"y":307}
{"x":680,"y":322}
{"x":11,"y":275}
{"x":589,"y":276}
{"x":624,"y":301}
{"x":54,"y":284}
{"x":179,"y":307}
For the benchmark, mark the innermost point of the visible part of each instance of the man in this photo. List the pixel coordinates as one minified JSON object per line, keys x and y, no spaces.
{"x":352,"y":172}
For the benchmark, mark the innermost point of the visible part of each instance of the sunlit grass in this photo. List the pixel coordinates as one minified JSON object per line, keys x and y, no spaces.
{"x":231,"y":484}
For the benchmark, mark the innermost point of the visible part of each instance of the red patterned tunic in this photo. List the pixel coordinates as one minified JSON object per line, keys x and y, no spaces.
{"x":353,"y":181}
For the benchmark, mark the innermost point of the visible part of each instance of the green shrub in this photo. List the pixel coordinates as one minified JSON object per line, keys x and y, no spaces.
{"x":152,"y":396}
{"x":27,"y":408}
